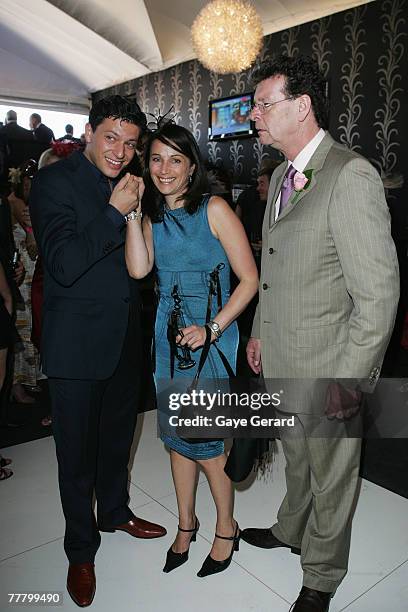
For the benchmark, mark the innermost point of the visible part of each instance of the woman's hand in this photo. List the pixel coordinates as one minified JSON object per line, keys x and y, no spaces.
{"x":141,"y":189}
{"x":193,"y":337}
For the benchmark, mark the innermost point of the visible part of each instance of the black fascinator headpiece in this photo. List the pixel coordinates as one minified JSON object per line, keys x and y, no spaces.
{"x":159,"y":120}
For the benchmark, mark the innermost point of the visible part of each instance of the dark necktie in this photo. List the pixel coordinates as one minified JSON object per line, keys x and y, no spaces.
{"x":287,"y":188}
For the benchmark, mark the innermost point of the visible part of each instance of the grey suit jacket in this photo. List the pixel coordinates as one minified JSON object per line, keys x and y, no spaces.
{"x":329,"y":283}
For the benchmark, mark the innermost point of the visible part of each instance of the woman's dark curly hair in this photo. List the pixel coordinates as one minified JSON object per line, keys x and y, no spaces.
{"x":303,"y":76}
{"x":181,"y":140}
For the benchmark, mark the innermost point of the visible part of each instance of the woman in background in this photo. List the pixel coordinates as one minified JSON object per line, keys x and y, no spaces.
{"x":26,"y":363}
{"x":6,"y":339}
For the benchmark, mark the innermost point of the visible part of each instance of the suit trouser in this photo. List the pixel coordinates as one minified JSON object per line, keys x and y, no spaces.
{"x":322,"y":478}
{"x":93,"y":424}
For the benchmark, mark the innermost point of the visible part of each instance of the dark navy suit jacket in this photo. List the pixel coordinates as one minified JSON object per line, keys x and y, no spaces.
{"x":87,"y":289}
{"x":43,"y":134}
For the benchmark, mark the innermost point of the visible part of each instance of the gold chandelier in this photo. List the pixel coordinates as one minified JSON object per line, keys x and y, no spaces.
{"x":227,"y":35}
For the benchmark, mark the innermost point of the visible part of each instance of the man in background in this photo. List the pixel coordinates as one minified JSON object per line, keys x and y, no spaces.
{"x":41,"y":132}
{"x":69,"y":135}
{"x":16,"y":145}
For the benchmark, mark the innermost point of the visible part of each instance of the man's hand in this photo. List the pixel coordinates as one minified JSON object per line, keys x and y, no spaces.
{"x":253,"y":351}
{"x":127,"y":194}
{"x":19,"y":273}
{"x":342,"y":403}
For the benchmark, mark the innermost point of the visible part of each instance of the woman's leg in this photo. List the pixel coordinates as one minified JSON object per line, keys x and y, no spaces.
{"x":221,"y":489}
{"x":185,"y":476}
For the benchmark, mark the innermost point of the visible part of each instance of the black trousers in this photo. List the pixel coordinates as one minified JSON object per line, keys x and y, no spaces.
{"x":93,"y":424}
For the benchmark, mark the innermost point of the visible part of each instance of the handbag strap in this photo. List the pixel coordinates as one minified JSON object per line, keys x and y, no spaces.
{"x":225,"y":362}
{"x":214,"y":289}
{"x":203,"y":358}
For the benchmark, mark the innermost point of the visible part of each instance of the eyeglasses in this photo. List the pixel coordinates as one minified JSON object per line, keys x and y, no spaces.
{"x":263,"y":107}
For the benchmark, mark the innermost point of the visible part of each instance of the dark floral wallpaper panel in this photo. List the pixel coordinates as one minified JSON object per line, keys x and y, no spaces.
{"x":363,"y":53}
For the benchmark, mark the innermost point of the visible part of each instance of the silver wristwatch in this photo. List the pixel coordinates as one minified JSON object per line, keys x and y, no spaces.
{"x":215,"y":328}
{"x":134,"y":214}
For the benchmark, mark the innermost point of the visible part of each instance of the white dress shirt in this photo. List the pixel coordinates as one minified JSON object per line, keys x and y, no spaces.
{"x":301,"y":160}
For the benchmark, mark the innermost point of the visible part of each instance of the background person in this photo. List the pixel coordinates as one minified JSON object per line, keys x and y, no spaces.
{"x":41,"y":133}
{"x":26,"y":360}
{"x":69,"y":135}
{"x":6,"y":339}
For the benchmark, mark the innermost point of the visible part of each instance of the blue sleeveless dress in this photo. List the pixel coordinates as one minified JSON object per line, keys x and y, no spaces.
{"x":186,"y":252}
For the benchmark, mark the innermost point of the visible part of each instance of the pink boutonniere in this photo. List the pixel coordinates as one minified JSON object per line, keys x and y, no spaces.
{"x":301,"y":182}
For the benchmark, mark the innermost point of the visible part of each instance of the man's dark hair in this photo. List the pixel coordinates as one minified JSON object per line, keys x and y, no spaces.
{"x":11,"y":115}
{"x":180,"y":139}
{"x":69,"y":129}
{"x":36,"y":116}
{"x":303,"y":76}
{"x":117,"y":107}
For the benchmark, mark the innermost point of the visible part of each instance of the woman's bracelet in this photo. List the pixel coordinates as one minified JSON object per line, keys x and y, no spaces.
{"x":134,"y":214}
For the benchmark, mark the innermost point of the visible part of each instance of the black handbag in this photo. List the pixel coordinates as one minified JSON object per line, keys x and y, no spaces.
{"x":189,"y":412}
{"x":184,"y":358}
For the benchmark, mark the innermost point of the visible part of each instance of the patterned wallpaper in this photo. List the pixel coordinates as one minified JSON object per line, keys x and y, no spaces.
{"x":363,"y":53}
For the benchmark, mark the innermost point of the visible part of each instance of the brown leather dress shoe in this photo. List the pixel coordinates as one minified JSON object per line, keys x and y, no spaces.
{"x":138,"y":528}
{"x":311,"y":600}
{"x":81,"y":583}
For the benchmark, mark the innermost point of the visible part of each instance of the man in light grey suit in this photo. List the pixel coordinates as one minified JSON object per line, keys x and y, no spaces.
{"x":328,"y":296}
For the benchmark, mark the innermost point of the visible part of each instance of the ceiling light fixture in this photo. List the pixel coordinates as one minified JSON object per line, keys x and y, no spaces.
{"x":227,"y":35}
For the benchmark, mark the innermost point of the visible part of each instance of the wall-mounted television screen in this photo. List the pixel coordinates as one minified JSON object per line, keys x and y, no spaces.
{"x":229,"y":117}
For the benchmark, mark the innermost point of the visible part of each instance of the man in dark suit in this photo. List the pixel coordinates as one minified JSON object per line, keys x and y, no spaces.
{"x":41,"y":132}
{"x":91,"y":337}
{"x":16,"y":144}
{"x":69,"y":135}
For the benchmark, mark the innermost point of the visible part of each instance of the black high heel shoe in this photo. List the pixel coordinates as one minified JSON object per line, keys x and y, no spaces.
{"x":173,"y":559}
{"x":211,"y":566}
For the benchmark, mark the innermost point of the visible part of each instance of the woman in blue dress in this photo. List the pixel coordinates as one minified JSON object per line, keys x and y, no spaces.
{"x":192,"y":239}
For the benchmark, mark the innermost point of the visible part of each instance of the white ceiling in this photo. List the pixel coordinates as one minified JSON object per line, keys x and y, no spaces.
{"x":60,"y":51}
